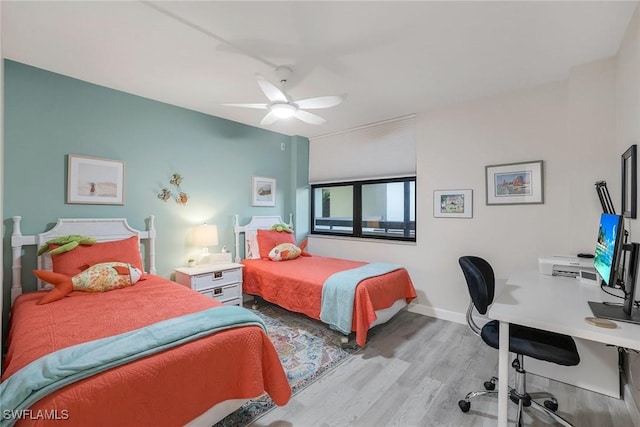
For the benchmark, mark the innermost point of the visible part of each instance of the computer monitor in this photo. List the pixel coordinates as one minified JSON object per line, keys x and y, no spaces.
{"x":608,"y":248}
{"x":609,"y":251}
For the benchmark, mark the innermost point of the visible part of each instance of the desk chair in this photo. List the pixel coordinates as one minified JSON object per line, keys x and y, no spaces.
{"x":523,"y":341}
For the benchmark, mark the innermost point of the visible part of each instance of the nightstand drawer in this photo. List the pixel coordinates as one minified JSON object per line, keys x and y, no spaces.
{"x":234,"y":301}
{"x":224,"y":293}
{"x":216,"y":279}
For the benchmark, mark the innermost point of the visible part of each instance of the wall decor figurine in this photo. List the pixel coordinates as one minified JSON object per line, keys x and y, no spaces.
{"x":164,"y":195}
{"x":182,"y":198}
{"x":176,"y":179}
{"x":179,"y":196}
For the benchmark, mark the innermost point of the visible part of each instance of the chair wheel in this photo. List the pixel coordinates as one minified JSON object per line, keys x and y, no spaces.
{"x":551,"y":405}
{"x":464,"y":405}
{"x":488,"y":385}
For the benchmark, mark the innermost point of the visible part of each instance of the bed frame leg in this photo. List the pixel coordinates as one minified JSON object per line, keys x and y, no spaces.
{"x":349,"y":342}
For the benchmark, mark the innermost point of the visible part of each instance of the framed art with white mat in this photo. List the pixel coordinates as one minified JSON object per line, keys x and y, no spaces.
{"x":453,"y":203}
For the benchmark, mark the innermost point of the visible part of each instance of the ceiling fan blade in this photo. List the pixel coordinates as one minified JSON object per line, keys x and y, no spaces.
{"x":308,"y":117}
{"x":273,"y":93}
{"x":320,"y":102}
{"x":257,"y":106}
{"x":269,"y":119}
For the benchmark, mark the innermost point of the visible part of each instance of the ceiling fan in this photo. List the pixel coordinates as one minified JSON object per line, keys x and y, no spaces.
{"x":281,"y":106}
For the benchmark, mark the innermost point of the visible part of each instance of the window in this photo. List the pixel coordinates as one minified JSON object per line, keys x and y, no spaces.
{"x":379,"y":209}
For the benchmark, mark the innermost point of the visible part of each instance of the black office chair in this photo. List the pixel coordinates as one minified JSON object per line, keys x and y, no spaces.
{"x":523,"y":341}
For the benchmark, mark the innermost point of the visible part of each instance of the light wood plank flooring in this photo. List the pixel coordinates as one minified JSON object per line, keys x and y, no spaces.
{"x":413,"y":371}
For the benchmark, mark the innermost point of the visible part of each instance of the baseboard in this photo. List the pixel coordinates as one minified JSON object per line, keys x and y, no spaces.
{"x":634,"y":411}
{"x":437,"y":313}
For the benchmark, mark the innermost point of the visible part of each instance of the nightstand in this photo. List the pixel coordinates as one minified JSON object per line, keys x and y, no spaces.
{"x":222,"y":282}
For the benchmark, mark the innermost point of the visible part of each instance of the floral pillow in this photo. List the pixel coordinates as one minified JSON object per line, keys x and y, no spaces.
{"x":97,"y":278}
{"x":284,"y":252}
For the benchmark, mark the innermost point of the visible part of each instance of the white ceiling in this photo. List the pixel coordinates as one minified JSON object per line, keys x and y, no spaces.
{"x":392,"y":58}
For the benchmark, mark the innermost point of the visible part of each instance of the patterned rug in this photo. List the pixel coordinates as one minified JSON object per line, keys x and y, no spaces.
{"x":307,"y":348}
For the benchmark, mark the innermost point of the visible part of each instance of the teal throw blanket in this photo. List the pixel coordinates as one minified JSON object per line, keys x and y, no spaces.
{"x":67,"y":365}
{"x":339,"y":290}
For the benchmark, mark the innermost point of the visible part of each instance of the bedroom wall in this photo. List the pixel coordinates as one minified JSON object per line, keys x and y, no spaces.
{"x":569,"y":124}
{"x":579,"y":127}
{"x":49,"y":116}
{"x":628,"y":133}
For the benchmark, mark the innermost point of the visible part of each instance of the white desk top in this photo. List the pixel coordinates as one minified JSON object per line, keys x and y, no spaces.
{"x":559,"y":304}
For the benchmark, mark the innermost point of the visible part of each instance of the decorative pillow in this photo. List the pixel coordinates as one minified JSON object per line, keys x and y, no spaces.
{"x":253,"y":251}
{"x":97,"y":278}
{"x":281,"y":227}
{"x":303,"y":248}
{"x":269,"y":239}
{"x":285,"y":252}
{"x":75,"y":261}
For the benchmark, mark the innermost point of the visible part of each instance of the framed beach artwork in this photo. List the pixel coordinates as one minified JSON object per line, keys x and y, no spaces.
{"x":95,"y":181}
{"x":453,"y":203}
{"x":263,"y":191}
{"x":515,"y":183}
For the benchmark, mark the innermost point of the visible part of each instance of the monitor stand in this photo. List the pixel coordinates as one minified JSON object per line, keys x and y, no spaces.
{"x":614,"y":311}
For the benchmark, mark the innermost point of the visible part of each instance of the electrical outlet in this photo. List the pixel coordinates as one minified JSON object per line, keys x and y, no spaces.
{"x":282,"y":146}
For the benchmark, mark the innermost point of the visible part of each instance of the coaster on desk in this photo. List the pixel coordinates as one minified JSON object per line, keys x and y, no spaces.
{"x":602,"y":323}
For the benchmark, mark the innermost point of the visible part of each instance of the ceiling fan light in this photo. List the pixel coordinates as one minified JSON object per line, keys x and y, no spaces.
{"x":283,"y":111}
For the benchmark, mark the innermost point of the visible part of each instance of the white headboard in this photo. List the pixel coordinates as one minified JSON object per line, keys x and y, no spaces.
{"x":102,"y":229}
{"x":256,"y":223}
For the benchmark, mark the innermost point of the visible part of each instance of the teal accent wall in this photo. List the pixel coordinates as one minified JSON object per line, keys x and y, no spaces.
{"x":301,"y":192}
{"x":48,"y":116}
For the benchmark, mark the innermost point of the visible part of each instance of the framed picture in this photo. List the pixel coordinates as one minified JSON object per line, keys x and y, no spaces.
{"x":453,"y":203}
{"x":263,"y":191}
{"x":515,"y":183}
{"x":630,"y":182}
{"x":94,"y":181}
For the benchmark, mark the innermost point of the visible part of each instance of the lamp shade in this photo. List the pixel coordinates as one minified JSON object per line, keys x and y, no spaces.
{"x":205,"y":235}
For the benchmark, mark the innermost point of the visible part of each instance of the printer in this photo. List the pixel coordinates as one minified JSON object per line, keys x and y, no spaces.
{"x":564,"y":265}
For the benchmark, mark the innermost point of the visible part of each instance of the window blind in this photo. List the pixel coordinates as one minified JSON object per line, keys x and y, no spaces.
{"x":380,"y":150}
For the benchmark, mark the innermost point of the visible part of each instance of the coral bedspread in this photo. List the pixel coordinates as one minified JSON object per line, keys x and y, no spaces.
{"x":297,"y":286}
{"x":168,"y":389}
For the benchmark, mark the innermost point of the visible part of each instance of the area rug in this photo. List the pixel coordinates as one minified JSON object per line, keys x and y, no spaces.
{"x":307,"y":348}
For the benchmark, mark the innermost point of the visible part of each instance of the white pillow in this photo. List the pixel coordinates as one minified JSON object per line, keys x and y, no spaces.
{"x":251,"y":245}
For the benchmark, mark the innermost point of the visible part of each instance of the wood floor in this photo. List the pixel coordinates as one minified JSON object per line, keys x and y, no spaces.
{"x":413,"y":371}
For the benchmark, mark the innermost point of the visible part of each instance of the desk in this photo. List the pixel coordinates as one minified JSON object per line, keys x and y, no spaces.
{"x":556,"y":304}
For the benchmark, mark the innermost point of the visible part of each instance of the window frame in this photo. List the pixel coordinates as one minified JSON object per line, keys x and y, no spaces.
{"x":357,"y":209}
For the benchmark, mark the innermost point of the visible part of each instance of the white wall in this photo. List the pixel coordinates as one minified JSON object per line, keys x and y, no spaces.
{"x":456,"y":144}
{"x":628,"y":95}
{"x":571,"y":125}
{"x":592,"y":151}
{"x":579,"y":127}
{"x":628,"y":133}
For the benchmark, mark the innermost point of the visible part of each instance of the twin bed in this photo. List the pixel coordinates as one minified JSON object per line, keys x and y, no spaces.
{"x":199,"y":380}
{"x":194,"y":383}
{"x":298,"y":284}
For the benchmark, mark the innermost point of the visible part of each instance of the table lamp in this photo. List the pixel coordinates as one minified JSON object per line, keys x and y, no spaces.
{"x":205,"y":235}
